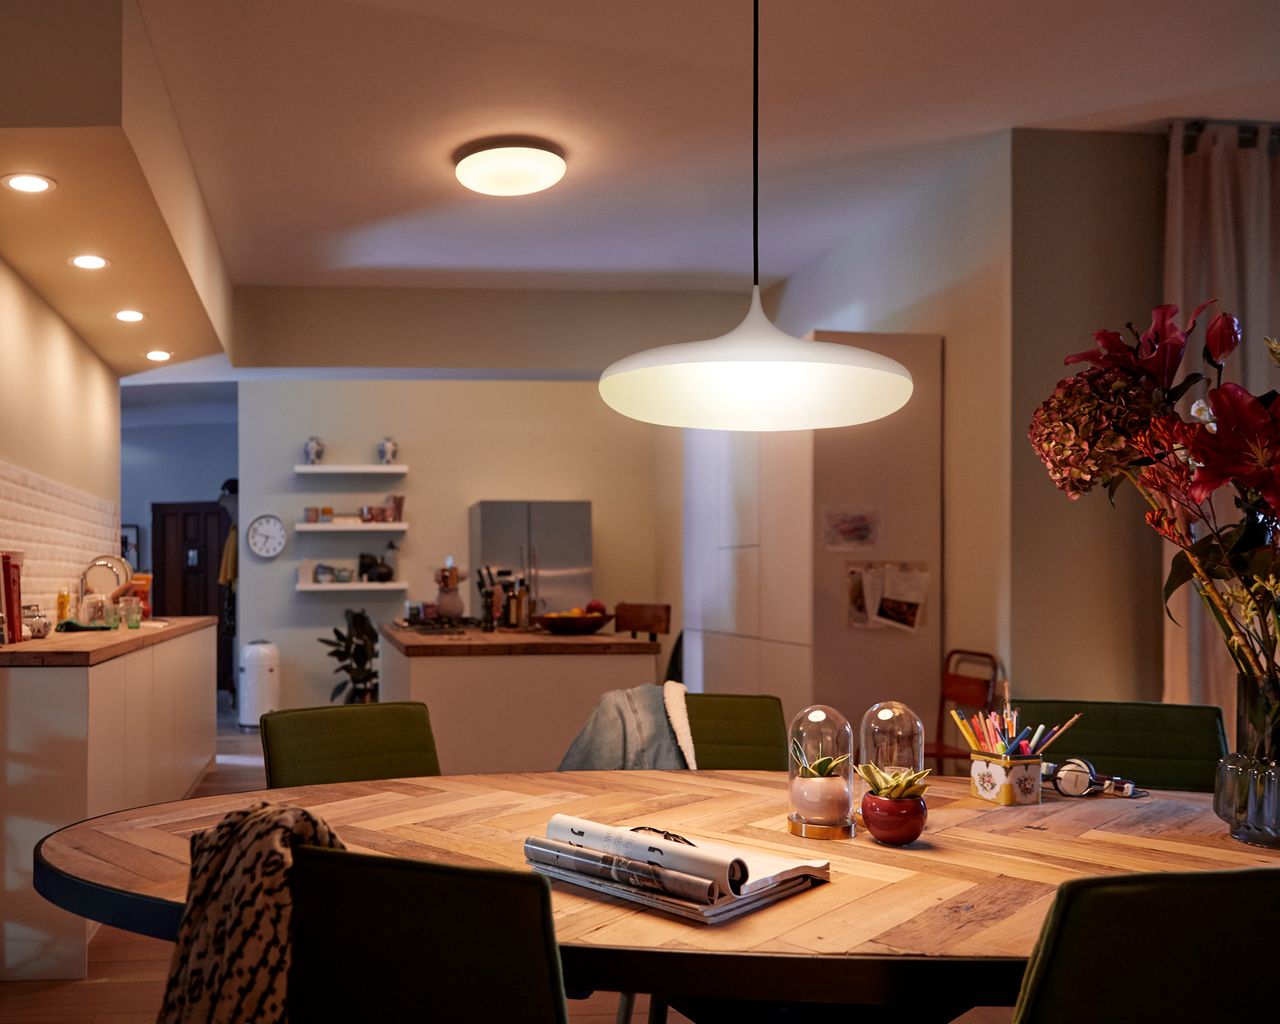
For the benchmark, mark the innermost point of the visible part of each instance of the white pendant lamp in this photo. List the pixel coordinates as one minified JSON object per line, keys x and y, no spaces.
{"x":756,"y":377}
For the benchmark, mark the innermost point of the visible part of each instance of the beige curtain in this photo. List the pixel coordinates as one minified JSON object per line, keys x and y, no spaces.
{"x":1222,"y":239}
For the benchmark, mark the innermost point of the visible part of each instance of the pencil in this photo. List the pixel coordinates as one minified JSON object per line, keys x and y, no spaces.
{"x":1070,"y":722}
{"x":1048,"y":736}
{"x":964,"y":730}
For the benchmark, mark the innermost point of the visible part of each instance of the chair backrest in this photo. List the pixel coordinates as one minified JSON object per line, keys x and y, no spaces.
{"x":1158,"y":746}
{"x":968,"y":682}
{"x":348,"y":743}
{"x":738,"y":731}
{"x":642,"y":618}
{"x":1152,"y":947}
{"x":386,"y":939}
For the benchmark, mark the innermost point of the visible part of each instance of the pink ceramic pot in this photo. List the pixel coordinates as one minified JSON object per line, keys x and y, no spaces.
{"x":895,"y":822}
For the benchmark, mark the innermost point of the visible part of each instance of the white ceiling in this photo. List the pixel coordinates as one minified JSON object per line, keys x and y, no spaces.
{"x":320,"y":130}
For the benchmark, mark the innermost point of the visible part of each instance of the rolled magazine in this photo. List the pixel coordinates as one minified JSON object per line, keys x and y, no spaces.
{"x":689,"y":876}
{"x":620,"y":869}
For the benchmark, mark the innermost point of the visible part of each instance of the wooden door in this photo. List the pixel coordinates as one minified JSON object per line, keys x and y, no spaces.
{"x":187,"y":539}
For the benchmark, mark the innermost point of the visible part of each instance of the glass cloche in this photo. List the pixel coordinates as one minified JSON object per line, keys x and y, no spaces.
{"x":892,"y":738}
{"x":821,"y":774}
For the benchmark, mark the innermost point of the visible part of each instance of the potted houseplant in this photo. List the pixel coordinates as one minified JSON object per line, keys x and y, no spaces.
{"x":893,"y":807}
{"x":355,"y":651}
{"x":820,"y":791}
{"x":1117,"y":422}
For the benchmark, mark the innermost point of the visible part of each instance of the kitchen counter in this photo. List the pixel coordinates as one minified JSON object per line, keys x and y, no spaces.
{"x":474,"y":642}
{"x":93,"y":723}
{"x":508,"y":702}
{"x":80,"y":650}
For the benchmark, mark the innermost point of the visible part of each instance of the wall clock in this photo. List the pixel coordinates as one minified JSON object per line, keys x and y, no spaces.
{"x":266,"y":536}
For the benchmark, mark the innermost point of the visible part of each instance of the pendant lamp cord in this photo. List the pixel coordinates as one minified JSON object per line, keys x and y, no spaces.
{"x":755,"y":147}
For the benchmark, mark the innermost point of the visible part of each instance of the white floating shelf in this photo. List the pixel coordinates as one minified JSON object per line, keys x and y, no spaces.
{"x":351,"y":527}
{"x":313,"y":588}
{"x":352,"y":468}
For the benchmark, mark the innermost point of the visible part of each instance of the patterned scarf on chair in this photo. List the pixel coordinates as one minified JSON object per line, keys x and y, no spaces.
{"x":231,"y":963}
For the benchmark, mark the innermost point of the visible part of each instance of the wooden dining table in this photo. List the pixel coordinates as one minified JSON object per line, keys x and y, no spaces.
{"x":941,"y":925}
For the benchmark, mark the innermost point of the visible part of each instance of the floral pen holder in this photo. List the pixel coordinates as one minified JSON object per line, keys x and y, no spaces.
{"x":1006,"y":781}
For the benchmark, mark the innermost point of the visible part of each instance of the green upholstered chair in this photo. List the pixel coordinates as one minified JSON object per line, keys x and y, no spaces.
{"x":387,"y":939}
{"x":1158,"y":746}
{"x":1153,"y":947}
{"x":738,"y":731}
{"x":348,"y":743}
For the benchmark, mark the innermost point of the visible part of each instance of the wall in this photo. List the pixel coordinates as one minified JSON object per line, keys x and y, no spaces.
{"x":748,"y":596}
{"x":463,"y":442}
{"x":1088,"y":211}
{"x":59,"y":443}
{"x":581,"y":332}
{"x":934,"y":258}
{"x":172,"y":463}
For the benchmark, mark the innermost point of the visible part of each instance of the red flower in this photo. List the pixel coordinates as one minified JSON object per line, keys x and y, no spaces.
{"x":1244,"y":449}
{"x":1222,"y":337}
{"x":1158,"y":353}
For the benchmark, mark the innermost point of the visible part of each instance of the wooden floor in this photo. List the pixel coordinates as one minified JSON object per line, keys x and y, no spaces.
{"x":127,"y":972}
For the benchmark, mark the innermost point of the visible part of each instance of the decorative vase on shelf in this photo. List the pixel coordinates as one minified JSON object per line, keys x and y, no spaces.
{"x":313,"y":450}
{"x":387,"y":451}
{"x":820,"y":787}
{"x":1246,"y":793}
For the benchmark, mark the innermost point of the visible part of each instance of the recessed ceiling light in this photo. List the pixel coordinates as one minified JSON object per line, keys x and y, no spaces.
{"x":129,"y":316}
{"x":86,"y":261}
{"x":29,"y":182}
{"x":509,"y":165}
{"x":159,"y":355}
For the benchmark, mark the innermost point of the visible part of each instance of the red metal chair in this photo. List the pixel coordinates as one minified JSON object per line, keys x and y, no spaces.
{"x":965,"y":689}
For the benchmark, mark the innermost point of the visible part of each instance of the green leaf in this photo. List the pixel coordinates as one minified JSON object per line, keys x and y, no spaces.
{"x":821,"y":767}
{"x":1180,"y":571}
{"x":1188,"y":382}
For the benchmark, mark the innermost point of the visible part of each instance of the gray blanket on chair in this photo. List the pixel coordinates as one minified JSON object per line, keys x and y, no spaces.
{"x":644,"y":727}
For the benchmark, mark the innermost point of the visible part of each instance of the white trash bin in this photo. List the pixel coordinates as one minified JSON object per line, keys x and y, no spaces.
{"x":259,"y":686}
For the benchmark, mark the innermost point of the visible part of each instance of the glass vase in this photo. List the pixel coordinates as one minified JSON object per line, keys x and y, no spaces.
{"x":1246,"y":792}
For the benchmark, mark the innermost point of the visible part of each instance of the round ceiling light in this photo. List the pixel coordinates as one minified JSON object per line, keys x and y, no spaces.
{"x":87,"y":261}
{"x":29,"y":182}
{"x":159,"y":355}
{"x":129,"y":316}
{"x":509,"y":165}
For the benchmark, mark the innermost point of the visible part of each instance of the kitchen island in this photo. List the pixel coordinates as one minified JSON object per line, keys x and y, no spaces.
{"x":508,"y":701}
{"x":93,"y":722}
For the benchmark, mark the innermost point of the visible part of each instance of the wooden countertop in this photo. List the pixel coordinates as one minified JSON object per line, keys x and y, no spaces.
{"x":473,"y":642}
{"x":80,"y":650}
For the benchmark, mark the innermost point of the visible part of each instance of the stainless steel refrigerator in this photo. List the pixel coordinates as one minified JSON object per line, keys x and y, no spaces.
{"x":548,"y":541}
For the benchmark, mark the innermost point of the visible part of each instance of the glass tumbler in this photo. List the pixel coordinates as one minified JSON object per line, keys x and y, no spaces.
{"x":131,"y":611}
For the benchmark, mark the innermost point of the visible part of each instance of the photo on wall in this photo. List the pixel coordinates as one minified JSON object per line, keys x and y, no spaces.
{"x":847,"y":529}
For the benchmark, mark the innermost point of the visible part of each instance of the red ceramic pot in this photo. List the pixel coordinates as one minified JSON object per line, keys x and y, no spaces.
{"x":896,"y":822}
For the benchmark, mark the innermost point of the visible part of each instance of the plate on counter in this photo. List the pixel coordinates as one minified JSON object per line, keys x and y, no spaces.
{"x":572,"y":625}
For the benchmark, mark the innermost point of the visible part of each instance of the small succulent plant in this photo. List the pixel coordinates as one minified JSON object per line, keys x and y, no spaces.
{"x":820,"y":767}
{"x":893,"y":785}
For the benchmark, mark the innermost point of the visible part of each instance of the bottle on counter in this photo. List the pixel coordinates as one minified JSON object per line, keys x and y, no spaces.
{"x":63,"y":606}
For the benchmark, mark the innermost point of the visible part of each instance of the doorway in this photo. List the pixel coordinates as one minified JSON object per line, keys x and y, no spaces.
{"x":187,"y":544}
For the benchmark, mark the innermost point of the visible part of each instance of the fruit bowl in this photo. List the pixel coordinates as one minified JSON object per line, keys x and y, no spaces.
{"x":572,"y":625}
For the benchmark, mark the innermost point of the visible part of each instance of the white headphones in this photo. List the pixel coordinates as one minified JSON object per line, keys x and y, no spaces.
{"x":1077,"y":777}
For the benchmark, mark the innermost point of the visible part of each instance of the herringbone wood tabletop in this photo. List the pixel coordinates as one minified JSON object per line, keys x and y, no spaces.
{"x":976,"y":885}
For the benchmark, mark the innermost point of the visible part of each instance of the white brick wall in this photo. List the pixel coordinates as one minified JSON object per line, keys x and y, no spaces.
{"x":58,"y":528}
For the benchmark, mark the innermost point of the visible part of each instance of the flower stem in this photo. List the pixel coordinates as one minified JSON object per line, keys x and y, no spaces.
{"x":1212,"y":595}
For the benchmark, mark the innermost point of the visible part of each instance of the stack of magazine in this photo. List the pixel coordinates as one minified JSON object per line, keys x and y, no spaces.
{"x":690,"y":877}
